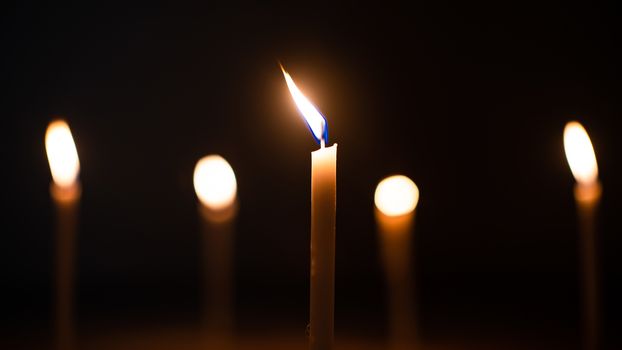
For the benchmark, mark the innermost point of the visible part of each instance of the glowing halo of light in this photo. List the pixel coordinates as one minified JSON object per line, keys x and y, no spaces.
{"x":214,"y":182}
{"x":62,"y":154}
{"x":396,"y":195}
{"x":312,"y":116}
{"x":580,"y":154}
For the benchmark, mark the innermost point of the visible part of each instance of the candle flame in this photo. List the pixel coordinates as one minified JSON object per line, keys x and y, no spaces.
{"x":580,"y":154}
{"x":396,"y":195}
{"x":315,"y":120}
{"x":62,"y":154}
{"x":214,"y":182}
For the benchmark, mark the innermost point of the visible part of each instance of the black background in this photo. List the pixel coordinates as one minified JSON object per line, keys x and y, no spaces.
{"x":468,"y":100}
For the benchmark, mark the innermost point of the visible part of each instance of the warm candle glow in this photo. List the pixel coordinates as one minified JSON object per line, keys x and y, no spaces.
{"x":580,"y":154}
{"x":396,"y":195}
{"x":315,"y":120}
{"x":62,"y":154}
{"x":214,"y":182}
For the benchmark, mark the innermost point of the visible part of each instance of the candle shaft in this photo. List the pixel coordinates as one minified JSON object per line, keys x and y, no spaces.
{"x":323,"y":214}
{"x":66,"y":202}
{"x":587,"y":199}
{"x":396,"y":253}
{"x":217,"y":232}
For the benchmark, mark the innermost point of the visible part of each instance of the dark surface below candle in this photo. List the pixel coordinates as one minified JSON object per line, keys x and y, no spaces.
{"x":469,"y":100}
{"x":192,"y":337}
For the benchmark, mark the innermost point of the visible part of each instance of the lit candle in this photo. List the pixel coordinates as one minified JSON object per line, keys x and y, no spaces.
{"x":396,"y":198}
{"x":587,"y":193}
{"x":323,"y":212}
{"x":216,"y":188}
{"x":65,"y":190}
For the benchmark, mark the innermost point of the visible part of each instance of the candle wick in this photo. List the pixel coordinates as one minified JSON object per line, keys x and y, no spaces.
{"x":322,"y":143}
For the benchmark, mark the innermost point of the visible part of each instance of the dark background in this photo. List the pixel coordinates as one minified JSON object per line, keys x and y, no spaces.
{"x":468,"y":100}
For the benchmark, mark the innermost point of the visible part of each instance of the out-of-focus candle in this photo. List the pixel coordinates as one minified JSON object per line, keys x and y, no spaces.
{"x":323,"y":213}
{"x":65,"y":190}
{"x":587,"y":192}
{"x":216,"y":188}
{"x":396,"y":198}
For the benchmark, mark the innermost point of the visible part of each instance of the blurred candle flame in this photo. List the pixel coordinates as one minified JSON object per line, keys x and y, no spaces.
{"x":315,"y":120}
{"x":62,"y":154}
{"x":214,"y":182}
{"x":580,"y":154}
{"x":396,"y":195}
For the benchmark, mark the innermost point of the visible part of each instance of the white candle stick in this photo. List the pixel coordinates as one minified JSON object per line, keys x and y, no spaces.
{"x":587,"y":192}
{"x":216,"y":188}
{"x":396,"y":198}
{"x":323,"y":213}
{"x":65,"y":190}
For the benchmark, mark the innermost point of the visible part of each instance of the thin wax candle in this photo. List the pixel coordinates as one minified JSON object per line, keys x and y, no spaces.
{"x":323,"y":214}
{"x":587,"y":192}
{"x":65,"y":191}
{"x":396,"y":198}
{"x":216,"y":188}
